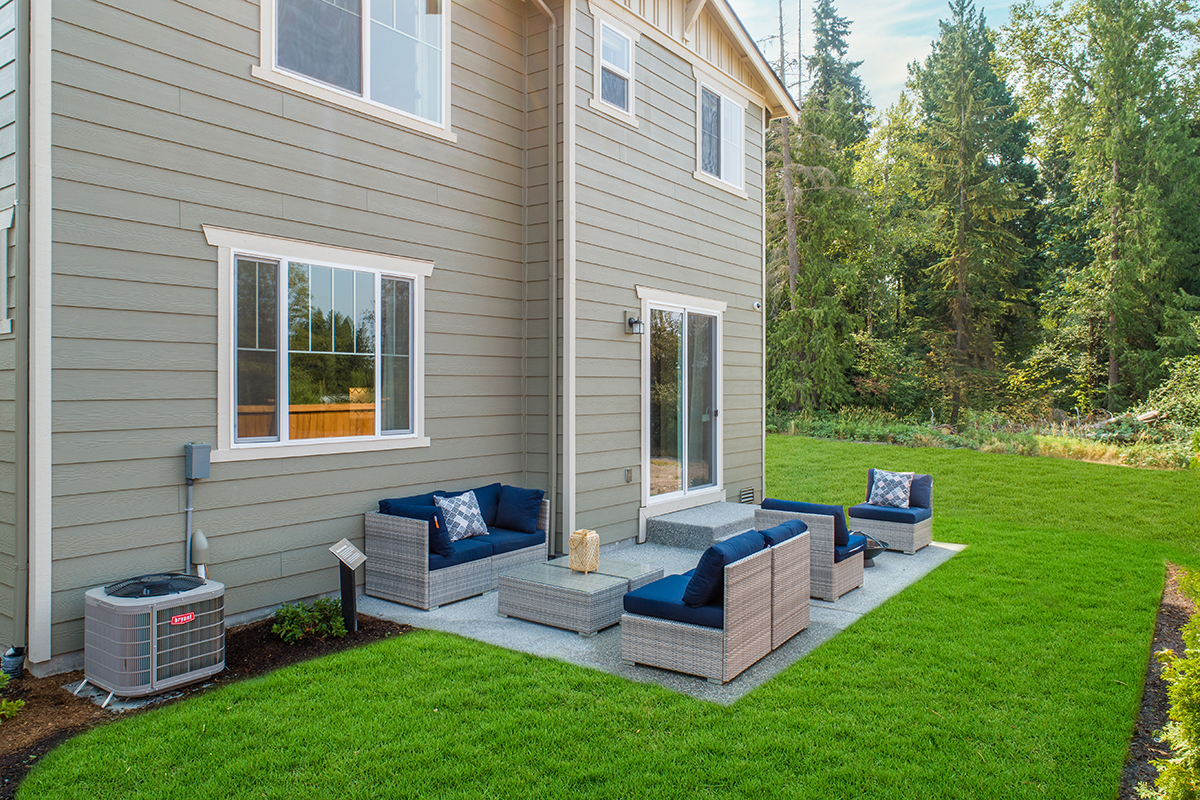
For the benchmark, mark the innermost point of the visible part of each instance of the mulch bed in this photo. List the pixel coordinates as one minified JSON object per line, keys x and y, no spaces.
{"x":52,"y":714}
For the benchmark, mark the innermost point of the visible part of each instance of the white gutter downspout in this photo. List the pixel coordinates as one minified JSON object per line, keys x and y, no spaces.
{"x":569,"y":293}
{"x":552,"y":258}
{"x":41,"y":271}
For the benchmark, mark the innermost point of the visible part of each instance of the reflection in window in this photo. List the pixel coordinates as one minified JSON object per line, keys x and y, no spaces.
{"x":257,"y":378}
{"x":666,"y":407}
{"x":683,"y":401}
{"x":615,"y":67}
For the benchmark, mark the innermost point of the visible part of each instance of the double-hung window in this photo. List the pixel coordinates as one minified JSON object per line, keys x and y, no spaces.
{"x":721,"y":135}
{"x":614,"y":86}
{"x":367,"y":54}
{"x":324,"y":346}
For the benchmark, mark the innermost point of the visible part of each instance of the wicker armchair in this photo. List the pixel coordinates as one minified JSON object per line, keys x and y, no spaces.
{"x":829,"y":580}
{"x":904,"y":529}
{"x":718,"y":654}
{"x":397,"y":567}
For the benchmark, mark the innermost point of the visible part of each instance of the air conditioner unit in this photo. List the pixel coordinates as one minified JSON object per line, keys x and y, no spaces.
{"x":148,"y":634}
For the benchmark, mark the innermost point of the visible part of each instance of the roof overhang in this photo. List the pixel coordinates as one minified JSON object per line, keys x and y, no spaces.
{"x":779,"y":99}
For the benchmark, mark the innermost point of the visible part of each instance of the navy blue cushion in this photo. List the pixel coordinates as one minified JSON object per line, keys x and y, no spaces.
{"x":488,"y":498}
{"x":519,"y":509}
{"x":783,"y":532}
{"x":503,"y":541}
{"x":464,"y":550}
{"x":920,"y":493}
{"x":888,"y":514}
{"x":707,"y":585}
{"x":856,"y":544}
{"x":415,"y":500}
{"x":840,"y":531}
{"x":439,"y":536}
{"x":664,"y":599}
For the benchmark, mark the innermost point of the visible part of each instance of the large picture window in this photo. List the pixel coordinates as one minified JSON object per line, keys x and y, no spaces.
{"x":388,"y":52}
{"x":321,"y":348}
{"x":340,"y":324}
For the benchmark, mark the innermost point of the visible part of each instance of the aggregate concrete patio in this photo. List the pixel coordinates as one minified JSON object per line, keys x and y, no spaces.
{"x":477,"y":618}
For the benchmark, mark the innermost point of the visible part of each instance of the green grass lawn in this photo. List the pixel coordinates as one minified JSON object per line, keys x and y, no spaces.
{"x":1012,"y":671}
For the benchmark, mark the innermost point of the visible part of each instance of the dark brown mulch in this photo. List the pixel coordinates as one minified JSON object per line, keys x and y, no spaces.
{"x":51,"y":714}
{"x":1174,"y":610}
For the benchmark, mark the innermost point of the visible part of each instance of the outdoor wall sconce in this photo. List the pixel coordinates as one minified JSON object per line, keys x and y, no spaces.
{"x":635,"y":325}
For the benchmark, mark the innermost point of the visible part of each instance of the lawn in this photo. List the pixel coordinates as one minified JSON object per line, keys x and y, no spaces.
{"x":1014,"y":671}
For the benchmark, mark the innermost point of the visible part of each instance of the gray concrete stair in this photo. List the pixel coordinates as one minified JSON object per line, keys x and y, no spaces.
{"x":697,"y":528}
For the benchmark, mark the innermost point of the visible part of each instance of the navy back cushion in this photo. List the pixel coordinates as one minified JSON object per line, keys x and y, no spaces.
{"x":519,"y":509}
{"x":708,"y":581}
{"x":783,"y":531}
{"x":841,"y":534}
{"x":439,"y":537}
{"x":488,"y":498}
{"x":920,"y":494}
{"x":415,"y":500}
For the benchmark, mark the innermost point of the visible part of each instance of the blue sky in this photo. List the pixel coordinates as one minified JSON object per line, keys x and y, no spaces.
{"x":884,"y":34}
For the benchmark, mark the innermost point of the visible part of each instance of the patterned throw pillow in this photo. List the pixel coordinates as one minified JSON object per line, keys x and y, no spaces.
{"x":889,"y":489}
{"x":462,"y":515}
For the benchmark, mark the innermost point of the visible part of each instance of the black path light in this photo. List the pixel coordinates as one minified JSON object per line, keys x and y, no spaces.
{"x":351,"y":558}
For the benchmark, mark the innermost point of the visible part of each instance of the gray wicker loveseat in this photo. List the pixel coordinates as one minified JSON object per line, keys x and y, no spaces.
{"x":411,"y":560}
{"x":759,"y":601}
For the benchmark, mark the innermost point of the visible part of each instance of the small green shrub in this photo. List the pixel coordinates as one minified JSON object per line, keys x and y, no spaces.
{"x":8,"y":708}
{"x":322,"y":619}
{"x":1179,"y":776}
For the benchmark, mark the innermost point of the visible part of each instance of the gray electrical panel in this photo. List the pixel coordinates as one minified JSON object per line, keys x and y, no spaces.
{"x":195,"y":460}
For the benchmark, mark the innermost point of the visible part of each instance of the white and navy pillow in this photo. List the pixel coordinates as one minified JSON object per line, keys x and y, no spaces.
{"x":889,"y":489}
{"x":463,"y":519}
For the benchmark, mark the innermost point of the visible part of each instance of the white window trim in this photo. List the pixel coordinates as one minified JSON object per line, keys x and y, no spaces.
{"x":230,"y":242}
{"x":719,"y":88}
{"x":267,"y":71}
{"x":628,"y":117}
{"x":675,"y":501}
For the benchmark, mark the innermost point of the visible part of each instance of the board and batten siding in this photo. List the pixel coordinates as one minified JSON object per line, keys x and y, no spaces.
{"x":672,"y":232}
{"x":159,"y":129}
{"x":8,"y":341}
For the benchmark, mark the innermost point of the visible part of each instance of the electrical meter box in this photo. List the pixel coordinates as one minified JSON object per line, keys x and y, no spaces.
{"x":195,"y":460}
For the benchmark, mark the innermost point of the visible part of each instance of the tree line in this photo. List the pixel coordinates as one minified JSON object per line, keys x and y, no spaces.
{"x":1019,"y":231}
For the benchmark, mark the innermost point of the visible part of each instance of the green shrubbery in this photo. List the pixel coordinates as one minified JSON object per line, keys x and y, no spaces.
{"x":322,"y":619}
{"x":1179,"y":776}
{"x":8,"y":708}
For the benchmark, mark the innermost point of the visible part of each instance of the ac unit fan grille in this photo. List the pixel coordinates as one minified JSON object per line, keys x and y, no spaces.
{"x":193,"y":645}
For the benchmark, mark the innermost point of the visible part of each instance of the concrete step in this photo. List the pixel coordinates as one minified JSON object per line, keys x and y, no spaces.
{"x":697,"y":528}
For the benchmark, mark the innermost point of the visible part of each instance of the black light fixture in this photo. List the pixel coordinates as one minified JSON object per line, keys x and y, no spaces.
{"x":635,"y":325}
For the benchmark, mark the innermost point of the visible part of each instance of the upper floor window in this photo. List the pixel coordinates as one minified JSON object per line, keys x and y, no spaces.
{"x":376,"y":56}
{"x":615,"y":59}
{"x":721,"y":136}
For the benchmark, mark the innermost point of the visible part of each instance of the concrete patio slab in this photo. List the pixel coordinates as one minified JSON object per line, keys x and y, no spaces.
{"x":476,"y":618}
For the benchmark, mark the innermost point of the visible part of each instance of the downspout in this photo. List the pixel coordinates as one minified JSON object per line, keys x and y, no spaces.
{"x":21,"y":321}
{"x":552,"y":257}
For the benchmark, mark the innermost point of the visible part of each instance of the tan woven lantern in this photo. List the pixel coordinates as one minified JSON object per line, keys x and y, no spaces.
{"x":584,"y":546}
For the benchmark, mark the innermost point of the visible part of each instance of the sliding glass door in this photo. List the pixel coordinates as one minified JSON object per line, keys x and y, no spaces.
{"x":683,"y":394}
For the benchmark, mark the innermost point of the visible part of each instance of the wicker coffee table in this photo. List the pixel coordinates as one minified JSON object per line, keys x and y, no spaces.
{"x":550,"y":593}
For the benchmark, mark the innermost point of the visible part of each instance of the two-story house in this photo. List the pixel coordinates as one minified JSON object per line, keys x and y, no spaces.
{"x":365,"y":248}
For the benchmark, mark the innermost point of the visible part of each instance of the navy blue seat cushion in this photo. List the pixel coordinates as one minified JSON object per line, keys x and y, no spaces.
{"x":909,"y":515}
{"x":465,"y":550}
{"x":707,"y":585}
{"x":504,"y":541}
{"x":664,"y":599}
{"x":783,"y":532}
{"x":519,"y":509}
{"x":840,"y":532}
{"x":439,"y":536}
{"x":856,"y":544}
{"x":920,"y":493}
{"x":415,"y":500}
{"x":488,"y":498}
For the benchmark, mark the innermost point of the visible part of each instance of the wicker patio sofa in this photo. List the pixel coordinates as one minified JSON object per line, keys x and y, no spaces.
{"x":764,"y":602}
{"x":836,"y":555}
{"x":402,"y":568}
{"x":904,"y":529}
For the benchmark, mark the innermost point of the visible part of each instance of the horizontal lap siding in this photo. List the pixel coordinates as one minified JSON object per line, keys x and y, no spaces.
{"x":8,"y":343}
{"x":159,"y":128}
{"x":672,"y":232}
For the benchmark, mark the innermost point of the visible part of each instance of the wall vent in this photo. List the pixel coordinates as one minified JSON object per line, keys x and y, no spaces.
{"x":746,"y":495}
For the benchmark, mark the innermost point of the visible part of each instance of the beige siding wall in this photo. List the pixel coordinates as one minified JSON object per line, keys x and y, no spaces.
{"x":158,"y":129}
{"x":671,"y":232}
{"x":8,"y":342}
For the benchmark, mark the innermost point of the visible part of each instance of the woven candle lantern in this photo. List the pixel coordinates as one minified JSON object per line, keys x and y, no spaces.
{"x":584,"y":546}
